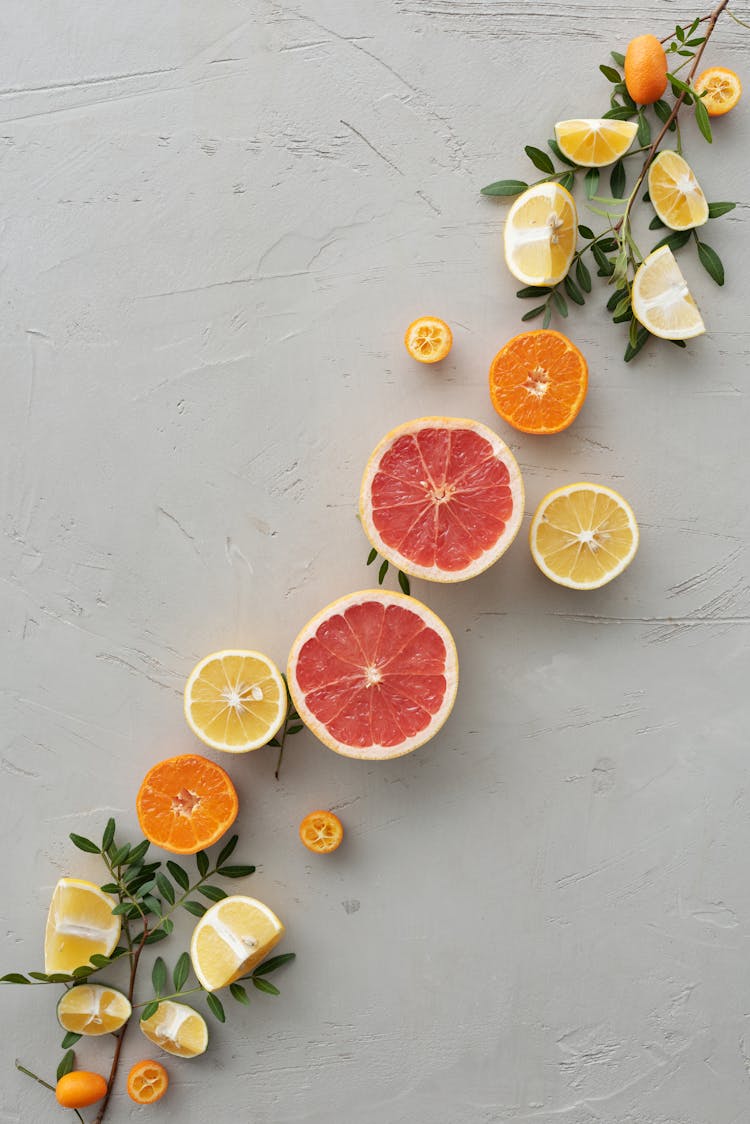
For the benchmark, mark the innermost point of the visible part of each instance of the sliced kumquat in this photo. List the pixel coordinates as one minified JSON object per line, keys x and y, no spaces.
{"x":428,"y":339}
{"x":722,"y":87}
{"x":147,"y":1082}
{"x":321,"y":832}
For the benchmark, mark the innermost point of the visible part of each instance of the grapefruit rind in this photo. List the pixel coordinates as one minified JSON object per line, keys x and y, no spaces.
{"x":488,"y":557}
{"x":375,"y":752}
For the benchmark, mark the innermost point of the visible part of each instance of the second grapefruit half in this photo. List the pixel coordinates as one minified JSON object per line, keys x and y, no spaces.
{"x":441,"y":498}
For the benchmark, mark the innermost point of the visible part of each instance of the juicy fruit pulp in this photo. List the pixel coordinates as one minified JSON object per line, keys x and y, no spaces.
{"x":540,"y":234}
{"x":723,"y":90}
{"x":80,"y":1088}
{"x":80,"y":924}
{"x":645,"y":69}
{"x":538,"y":381}
{"x":178,"y":1029}
{"x":186,"y":803}
{"x":441,"y":498}
{"x":583,"y":535}
{"x":428,"y":339}
{"x":231,"y":939}
{"x":676,"y":195}
{"x":235,"y":700}
{"x":662,"y":302}
{"x":147,"y":1082}
{"x":321,"y":832}
{"x":595,"y":142}
{"x":93,"y":1009}
{"x":374,"y":675}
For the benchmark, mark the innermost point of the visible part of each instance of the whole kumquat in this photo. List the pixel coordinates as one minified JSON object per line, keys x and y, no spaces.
{"x":80,"y":1088}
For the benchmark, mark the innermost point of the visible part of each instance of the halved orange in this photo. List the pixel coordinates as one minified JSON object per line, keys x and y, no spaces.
{"x":428,"y":339}
{"x":186,"y":803}
{"x":321,"y":832}
{"x":723,"y":89}
{"x":538,"y":381}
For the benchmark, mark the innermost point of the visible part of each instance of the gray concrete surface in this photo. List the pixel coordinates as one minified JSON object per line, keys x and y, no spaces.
{"x":217,"y":220}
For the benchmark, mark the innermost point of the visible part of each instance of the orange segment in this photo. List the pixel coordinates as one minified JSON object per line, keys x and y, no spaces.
{"x":80,"y":924}
{"x":540,"y":234}
{"x":177,"y":1029}
{"x":538,"y":381}
{"x":235,"y":700}
{"x":147,"y":1082}
{"x":723,"y":89}
{"x":186,"y":803}
{"x":93,"y":1009}
{"x":428,"y":339}
{"x":675,"y":193}
{"x":594,"y":142}
{"x":231,"y":939}
{"x":321,"y":832}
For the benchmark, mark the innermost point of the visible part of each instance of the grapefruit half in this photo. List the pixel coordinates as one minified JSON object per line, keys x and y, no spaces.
{"x":374,"y":674}
{"x":441,"y":498}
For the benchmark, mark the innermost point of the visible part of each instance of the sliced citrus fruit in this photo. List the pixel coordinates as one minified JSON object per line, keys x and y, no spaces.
{"x":93,"y":1009}
{"x":186,"y":803}
{"x":428,"y":339}
{"x":593,"y":142}
{"x":583,"y":535}
{"x":235,"y":700}
{"x":321,"y":832}
{"x":540,"y":234}
{"x":231,"y":939}
{"x":441,"y":498}
{"x":80,"y":1088}
{"x":177,"y":1028}
{"x":80,"y":924}
{"x":147,"y":1082}
{"x":661,"y":299}
{"x":675,"y":193}
{"x":374,"y":675}
{"x":538,"y":381}
{"x":723,"y":89}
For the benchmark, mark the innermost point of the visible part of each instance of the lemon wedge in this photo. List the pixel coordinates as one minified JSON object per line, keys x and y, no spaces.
{"x":80,"y":924}
{"x":177,"y":1028}
{"x":231,"y":938}
{"x":540,"y":234}
{"x":675,"y":193}
{"x":594,"y":142}
{"x":661,"y":299}
{"x":93,"y":1009}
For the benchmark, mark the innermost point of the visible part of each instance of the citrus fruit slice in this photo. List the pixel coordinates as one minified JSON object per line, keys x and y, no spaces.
{"x":675,"y":193}
{"x":645,"y":69}
{"x":186,"y":803}
{"x":661,"y":299}
{"x":177,"y":1028}
{"x":231,"y":938}
{"x":80,"y":1088}
{"x":583,"y":535}
{"x":441,"y":498}
{"x":540,"y":234}
{"x":374,"y":675}
{"x":538,"y":381}
{"x":723,"y":89}
{"x":93,"y":1009}
{"x":235,"y":700}
{"x":321,"y":832}
{"x":428,"y":339}
{"x":80,"y":924}
{"x":593,"y":142}
{"x":147,"y":1082}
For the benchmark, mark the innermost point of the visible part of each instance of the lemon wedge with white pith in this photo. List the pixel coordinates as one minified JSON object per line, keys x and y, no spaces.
{"x":661,"y":300}
{"x":594,"y":142}
{"x":177,"y":1028}
{"x":80,"y":924}
{"x":675,"y":193}
{"x":93,"y":1009}
{"x":540,"y":234}
{"x":231,"y":939}
{"x":235,"y":700}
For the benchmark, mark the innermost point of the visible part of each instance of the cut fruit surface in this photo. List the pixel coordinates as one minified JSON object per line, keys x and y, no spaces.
{"x":661,"y":299}
{"x":177,"y":1028}
{"x":441,"y":498}
{"x":538,"y":381}
{"x":147,"y":1082}
{"x":186,"y":803}
{"x":428,"y":339}
{"x":235,"y":700}
{"x":231,"y":939}
{"x":93,"y":1009}
{"x":80,"y":924}
{"x":583,"y":535}
{"x":540,"y":234}
{"x":374,"y":675}
{"x":321,"y":832}
{"x":594,"y":142}
{"x":676,"y":195}
{"x":723,"y":89}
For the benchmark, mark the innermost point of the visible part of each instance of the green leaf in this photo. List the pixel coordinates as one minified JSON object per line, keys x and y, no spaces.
{"x":680,"y":87}
{"x":14,"y":978}
{"x":680,"y":33}
{"x":403,"y":581}
{"x":382,"y":572}
{"x":180,"y":876}
{"x":586,"y":232}
{"x":534,"y":312}
{"x":608,"y":245}
{"x":619,"y":59}
{"x":704,"y":123}
{"x":228,"y":849}
{"x":70,"y":1039}
{"x":109,"y":834}
{"x":601,"y":259}
{"x":235,"y":871}
{"x":213,"y":893}
{"x":591,"y":182}
{"x":167,"y":925}
{"x":622,"y":306}
{"x":687,"y":54}
{"x":533,"y":291}
{"x":159,"y":976}
{"x":181,"y":971}
{"x":39,"y":976}
{"x":201,"y":861}
{"x":195,"y":908}
{"x":617,"y":180}
{"x":122,"y":908}
{"x":273,"y":963}
{"x":100,"y":961}
{"x":110,"y":888}
{"x":156,"y":935}
{"x":675,"y":240}
{"x":583,"y":276}
{"x":83,"y":971}
{"x":149,"y":1010}
{"x":641,"y":340}
{"x":150,"y":904}
{"x":372,"y":556}
{"x":716,"y":210}
{"x":711,"y":262}
{"x":620,"y":113}
{"x":215,"y":1007}
{"x":165,"y":888}
{"x":238,"y":992}
{"x":644,"y":129}
{"x":695,"y":42}
{"x":60,"y":977}
{"x":678,"y":343}
{"x":539,"y":159}
{"x":300,"y":726}
{"x":560,"y":154}
{"x":120,"y":856}
{"x":139,"y":851}
{"x":615,"y":299}
{"x":84,"y":844}
{"x":68,"y":1060}
{"x":560,"y":302}
{"x":573,"y":291}
{"x":505,"y":187}
{"x":265,"y":986}
{"x":567,"y":181}
{"x":547,"y":318}
{"x":610,"y":73}
{"x":662,"y":110}
{"x":656,"y":223}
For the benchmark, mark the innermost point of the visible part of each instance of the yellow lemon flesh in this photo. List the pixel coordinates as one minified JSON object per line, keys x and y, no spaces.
{"x":235,"y":700}
{"x":594,"y":142}
{"x":583,"y":535}
{"x":178,"y":1029}
{"x":661,"y":299}
{"x":540,"y":234}
{"x":80,"y":924}
{"x":231,"y":938}
{"x":93,"y":1009}
{"x":675,"y":193}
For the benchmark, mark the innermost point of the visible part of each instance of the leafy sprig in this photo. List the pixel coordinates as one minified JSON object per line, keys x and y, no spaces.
{"x":293,"y":724}
{"x":403,"y":579}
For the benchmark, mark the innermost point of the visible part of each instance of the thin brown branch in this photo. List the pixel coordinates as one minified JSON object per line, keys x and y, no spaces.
{"x":121,"y":1036}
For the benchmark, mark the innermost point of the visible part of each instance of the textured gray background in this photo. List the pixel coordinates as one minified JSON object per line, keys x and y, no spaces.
{"x":217,"y":219}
